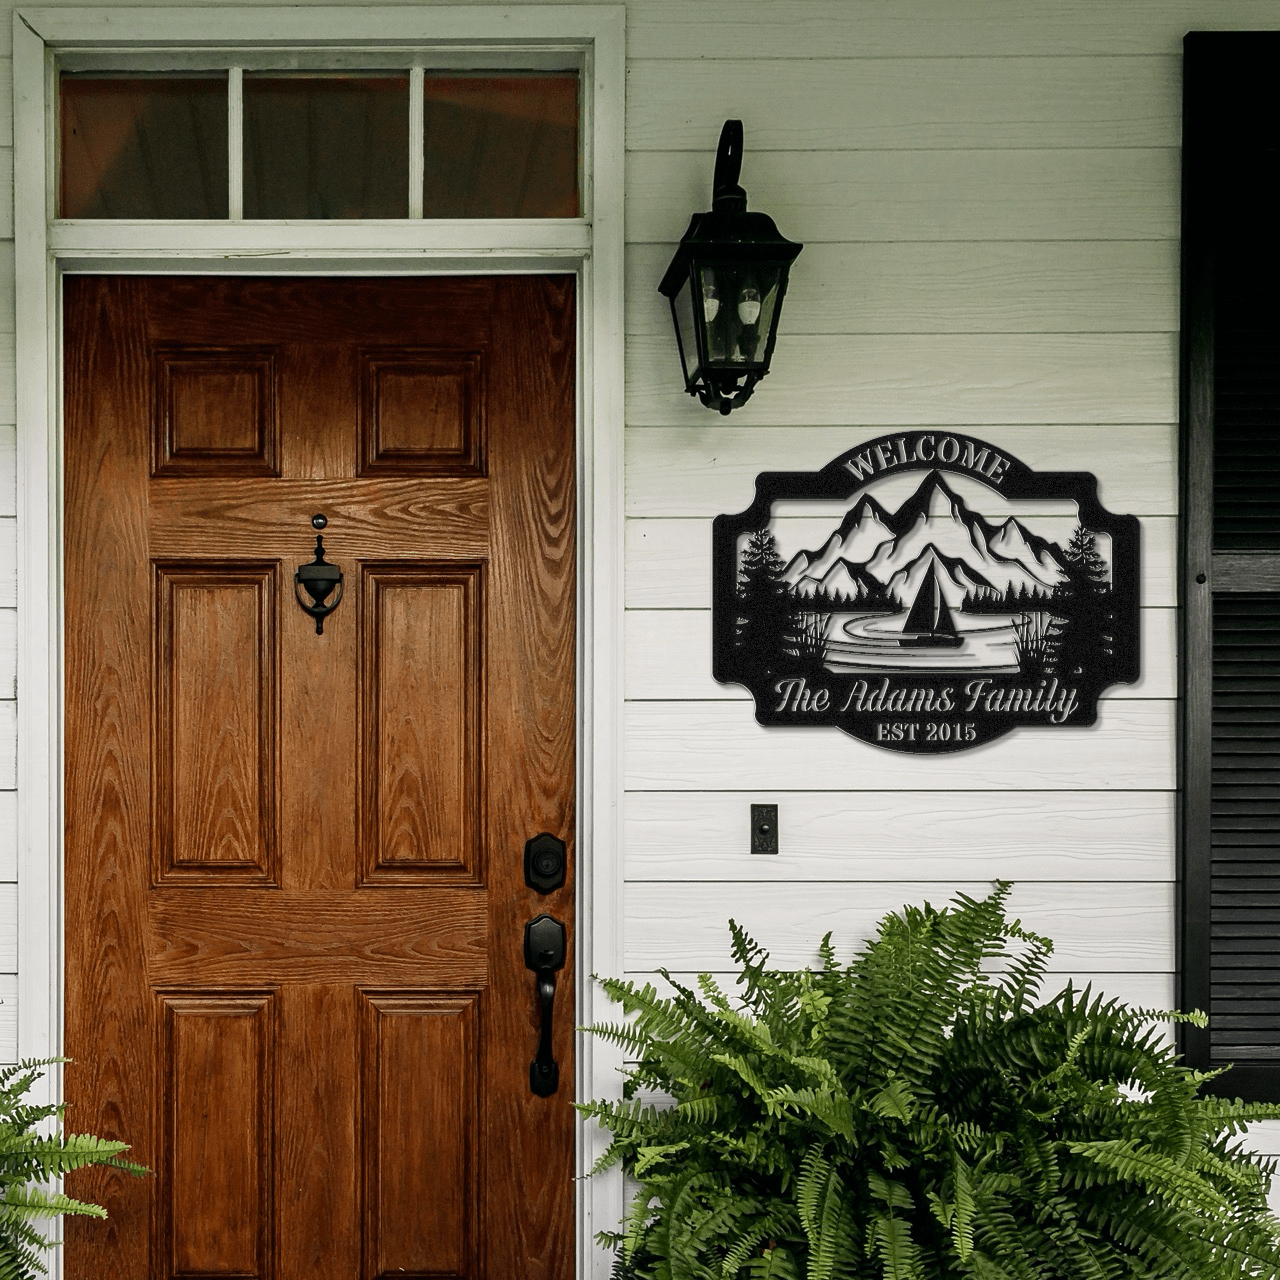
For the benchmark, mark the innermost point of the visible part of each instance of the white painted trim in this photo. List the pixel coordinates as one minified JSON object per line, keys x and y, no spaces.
{"x":592,"y":246}
{"x":571,"y":239}
{"x":235,"y":143}
{"x":541,"y":26}
{"x":417,"y":142}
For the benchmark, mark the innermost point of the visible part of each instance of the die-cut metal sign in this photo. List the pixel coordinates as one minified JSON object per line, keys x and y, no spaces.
{"x":926,"y":592}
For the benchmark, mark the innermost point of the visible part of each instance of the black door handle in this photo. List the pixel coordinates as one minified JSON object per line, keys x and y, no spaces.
{"x":544,"y":954}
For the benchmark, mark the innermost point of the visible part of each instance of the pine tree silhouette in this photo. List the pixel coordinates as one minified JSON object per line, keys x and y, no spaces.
{"x":764,"y":606}
{"x":1084,"y":637}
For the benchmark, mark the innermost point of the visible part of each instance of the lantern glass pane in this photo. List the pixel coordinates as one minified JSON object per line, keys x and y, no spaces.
{"x":739,"y":301}
{"x":682,"y":309}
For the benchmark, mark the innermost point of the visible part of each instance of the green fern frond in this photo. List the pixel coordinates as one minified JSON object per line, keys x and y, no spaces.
{"x":921,"y":1113}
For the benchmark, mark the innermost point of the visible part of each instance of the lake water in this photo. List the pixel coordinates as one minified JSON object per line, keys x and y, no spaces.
{"x":869,"y":642}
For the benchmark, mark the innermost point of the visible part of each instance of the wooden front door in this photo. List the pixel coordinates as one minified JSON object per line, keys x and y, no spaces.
{"x":296,"y":901}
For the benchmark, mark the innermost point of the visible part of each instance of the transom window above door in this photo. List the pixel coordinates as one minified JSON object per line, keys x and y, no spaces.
{"x":237,"y":143}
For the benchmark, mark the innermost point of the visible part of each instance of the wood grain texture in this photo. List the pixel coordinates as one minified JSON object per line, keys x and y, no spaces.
{"x":1103,"y":927}
{"x":455,"y":679}
{"x":113,"y":1079}
{"x":216,"y":1208}
{"x":1126,"y":286}
{"x":530,"y":665}
{"x":217,"y":714}
{"x":402,"y":517}
{"x":1257,"y":571}
{"x":864,"y":834}
{"x":672,"y":471}
{"x":420,"y":1145}
{"x":229,"y":936}
{"x":840,"y":196}
{"x":215,"y":411}
{"x":421,"y":712}
{"x":905,"y":103}
{"x":316,"y":1134}
{"x":422,"y":412}
{"x":668,"y":657}
{"x":915,"y":380}
{"x":669,"y":561}
{"x":718,"y":746}
{"x":927,"y":28}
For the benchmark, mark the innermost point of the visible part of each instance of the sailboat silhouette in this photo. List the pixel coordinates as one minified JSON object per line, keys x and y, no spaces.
{"x":929,"y":624}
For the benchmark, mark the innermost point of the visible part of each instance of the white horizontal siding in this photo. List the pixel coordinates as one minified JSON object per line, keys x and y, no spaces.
{"x":930,"y":379}
{"x":8,"y":465}
{"x":8,"y":1017}
{"x":718,"y":746}
{"x":828,"y":836}
{"x":1083,"y":919}
{"x":805,"y":29}
{"x":906,"y":103}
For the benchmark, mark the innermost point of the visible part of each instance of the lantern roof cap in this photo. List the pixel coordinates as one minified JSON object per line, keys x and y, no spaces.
{"x":732,"y":237}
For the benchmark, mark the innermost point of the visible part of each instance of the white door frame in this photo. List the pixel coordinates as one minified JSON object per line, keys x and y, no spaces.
{"x":592,"y":36}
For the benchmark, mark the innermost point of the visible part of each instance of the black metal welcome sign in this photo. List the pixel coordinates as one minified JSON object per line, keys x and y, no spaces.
{"x":925,"y":592}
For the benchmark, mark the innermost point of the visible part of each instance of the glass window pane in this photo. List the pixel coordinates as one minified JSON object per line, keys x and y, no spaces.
{"x":501,"y":146}
{"x":326,"y":146}
{"x":143,"y":147}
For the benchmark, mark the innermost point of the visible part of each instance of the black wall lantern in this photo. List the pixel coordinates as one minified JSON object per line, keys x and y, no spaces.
{"x":726,"y":285}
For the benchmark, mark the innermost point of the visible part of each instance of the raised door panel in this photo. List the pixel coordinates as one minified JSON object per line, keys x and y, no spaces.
{"x":215,"y":767}
{"x":422,"y":412}
{"x":421,"y":708}
{"x":420,"y":1083}
{"x":215,"y":1181}
{"x":215,"y":412}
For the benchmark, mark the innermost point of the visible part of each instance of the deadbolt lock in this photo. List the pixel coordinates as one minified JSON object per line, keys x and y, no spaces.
{"x":544,"y":863}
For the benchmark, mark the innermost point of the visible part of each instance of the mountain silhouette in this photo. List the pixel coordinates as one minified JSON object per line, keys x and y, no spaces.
{"x":892,"y":549}
{"x":843,"y":580}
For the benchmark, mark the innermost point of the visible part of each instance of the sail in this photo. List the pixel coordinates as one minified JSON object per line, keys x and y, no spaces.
{"x":929,"y":613}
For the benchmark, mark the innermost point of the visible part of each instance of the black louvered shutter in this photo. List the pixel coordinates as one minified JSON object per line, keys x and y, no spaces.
{"x":1230,"y":565}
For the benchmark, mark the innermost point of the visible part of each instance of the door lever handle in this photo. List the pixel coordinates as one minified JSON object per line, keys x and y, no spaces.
{"x":544,"y":941}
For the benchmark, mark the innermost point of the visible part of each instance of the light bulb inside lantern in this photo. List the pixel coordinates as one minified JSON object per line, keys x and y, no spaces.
{"x":749,"y":305}
{"x":710,"y":301}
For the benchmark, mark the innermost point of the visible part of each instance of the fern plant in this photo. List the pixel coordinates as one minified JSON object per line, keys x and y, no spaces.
{"x":921,"y":1114}
{"x":29,"y":1157}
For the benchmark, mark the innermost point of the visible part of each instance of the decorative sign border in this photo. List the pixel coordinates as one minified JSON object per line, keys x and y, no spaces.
{"x":926,"y":628}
